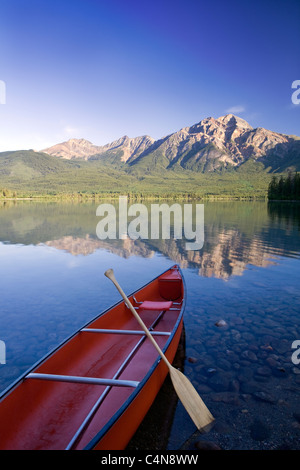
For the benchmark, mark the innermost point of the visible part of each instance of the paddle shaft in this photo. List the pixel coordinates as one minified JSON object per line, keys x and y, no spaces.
{"x":109,"y":273}
{"x":189,"y":397}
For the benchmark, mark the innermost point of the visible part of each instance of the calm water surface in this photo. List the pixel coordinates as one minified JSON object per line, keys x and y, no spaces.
{"x":247,"y":274}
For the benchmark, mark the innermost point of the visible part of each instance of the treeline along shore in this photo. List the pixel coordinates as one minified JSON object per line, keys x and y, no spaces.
{"x":285,"y":188}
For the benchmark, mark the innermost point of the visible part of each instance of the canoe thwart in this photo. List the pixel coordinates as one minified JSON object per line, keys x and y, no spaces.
{"x":160,"y":302}
{"x":84,"y":380}
{"x":125,"y":332}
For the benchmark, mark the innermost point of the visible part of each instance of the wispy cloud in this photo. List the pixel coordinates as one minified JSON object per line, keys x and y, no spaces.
{"x":236,"y":109}
{"x":2,"y":92}
{"x":67,"y":131}
{"x":293,"y":106}
{"x":70,"y":131}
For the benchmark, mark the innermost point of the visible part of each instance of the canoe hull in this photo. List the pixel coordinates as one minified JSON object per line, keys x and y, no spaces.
{"x":118,"y":435}
{"x":54,"y":414}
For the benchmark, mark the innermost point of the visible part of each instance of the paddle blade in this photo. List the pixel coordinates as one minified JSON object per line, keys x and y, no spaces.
{"x":191,"y":400}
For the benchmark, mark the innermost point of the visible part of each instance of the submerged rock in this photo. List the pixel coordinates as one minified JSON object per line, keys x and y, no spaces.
{"x":220,"y":323}
{"x":207,"y":445}
{"x":249,"y":355}
{"x":219,"y":382}
{"x":192,"y":359}
{"x":260,"y":431}
{"x":230,"y":398}
{"x":264,"y":371}
{"x":264,"y":396}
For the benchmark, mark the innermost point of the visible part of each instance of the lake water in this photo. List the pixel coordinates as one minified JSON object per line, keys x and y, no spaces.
{"x":247,"y":274}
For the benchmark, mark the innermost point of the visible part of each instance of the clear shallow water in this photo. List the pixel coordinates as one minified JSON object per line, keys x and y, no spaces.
{"x":247,"y":274}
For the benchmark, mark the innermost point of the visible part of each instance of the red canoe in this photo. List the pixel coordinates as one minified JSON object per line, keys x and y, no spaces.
{"x":93,"y":391}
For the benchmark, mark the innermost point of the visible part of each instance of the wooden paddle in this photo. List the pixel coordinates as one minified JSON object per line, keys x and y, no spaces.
{"x":187,"y":394}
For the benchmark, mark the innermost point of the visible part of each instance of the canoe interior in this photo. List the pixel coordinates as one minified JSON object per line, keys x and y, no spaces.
{"x":40,"y":414}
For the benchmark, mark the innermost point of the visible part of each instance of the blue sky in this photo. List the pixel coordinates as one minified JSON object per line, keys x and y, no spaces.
{"x":101,"y":69}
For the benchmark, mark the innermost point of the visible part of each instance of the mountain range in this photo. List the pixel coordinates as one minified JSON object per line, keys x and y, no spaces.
{"x":212,"y":144}
{"x":214,"y":157}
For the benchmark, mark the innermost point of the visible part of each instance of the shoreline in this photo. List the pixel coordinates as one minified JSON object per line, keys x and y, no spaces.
{"x":100,"y":197}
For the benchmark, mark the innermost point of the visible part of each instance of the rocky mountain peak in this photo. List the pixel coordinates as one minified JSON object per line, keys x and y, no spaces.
{"x":233,"y":121}
{"x":73,"y":148}
{"x":211,"y":144}
{"x":79,"y":141}
{"x":84,"y":149}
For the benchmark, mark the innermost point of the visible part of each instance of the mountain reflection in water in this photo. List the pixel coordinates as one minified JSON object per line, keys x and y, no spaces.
{"x":236,"y":234}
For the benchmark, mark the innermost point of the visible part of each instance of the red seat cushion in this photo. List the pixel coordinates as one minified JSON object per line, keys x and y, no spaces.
{"x":149,"y":305}
{"x":172,"y":276}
